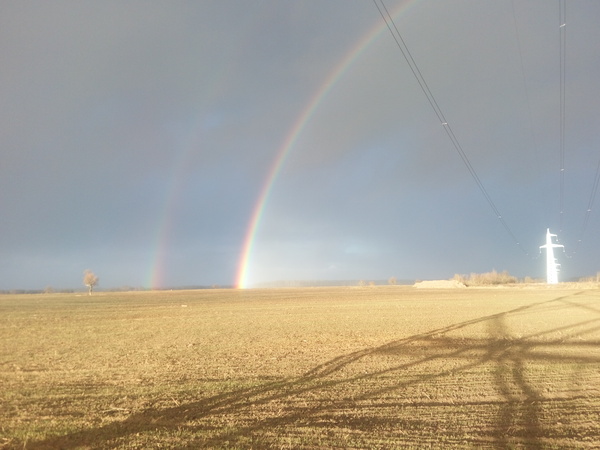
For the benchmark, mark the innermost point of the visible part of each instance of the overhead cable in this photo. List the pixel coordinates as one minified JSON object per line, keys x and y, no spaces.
{"x":589,"y":207}
{"x":563,"y":54}
{"x":440,"y":115}
{"x":533,"y":136}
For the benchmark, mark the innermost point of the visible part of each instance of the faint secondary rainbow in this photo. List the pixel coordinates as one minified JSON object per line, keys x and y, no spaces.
{"x":173,"y":191}
{"x":315,"y":100}
{"x":188,"y":140}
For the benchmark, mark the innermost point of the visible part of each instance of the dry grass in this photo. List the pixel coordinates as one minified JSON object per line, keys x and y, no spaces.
{"x":385,"y":367}
{"x":487,"y":278}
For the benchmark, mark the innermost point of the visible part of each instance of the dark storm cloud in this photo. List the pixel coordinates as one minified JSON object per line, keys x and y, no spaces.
{"x":125,"y":126}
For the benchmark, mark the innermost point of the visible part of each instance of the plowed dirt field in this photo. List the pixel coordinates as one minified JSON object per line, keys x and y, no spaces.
{"x":370,"y":367}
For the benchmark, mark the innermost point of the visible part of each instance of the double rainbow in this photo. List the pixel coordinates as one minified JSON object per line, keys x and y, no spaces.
{"x":288,"y":144}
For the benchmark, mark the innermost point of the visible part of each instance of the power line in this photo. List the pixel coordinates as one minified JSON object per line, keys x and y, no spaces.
{"x":589,"y":207}
{"x":592,"y":198}
{"x":389,"y":21}
{"x":563,"y":55}
{"x":533,"y":134}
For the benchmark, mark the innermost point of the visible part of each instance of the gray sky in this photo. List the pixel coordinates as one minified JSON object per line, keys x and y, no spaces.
{"x":136,"y":138}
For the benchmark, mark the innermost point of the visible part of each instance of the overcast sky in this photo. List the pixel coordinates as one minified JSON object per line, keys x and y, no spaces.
{"x":136,"y":138}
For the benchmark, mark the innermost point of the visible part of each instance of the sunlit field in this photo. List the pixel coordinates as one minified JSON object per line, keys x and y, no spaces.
{"x":369,"y":367}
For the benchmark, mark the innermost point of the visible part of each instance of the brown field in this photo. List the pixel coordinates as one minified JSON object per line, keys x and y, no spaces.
{"x":373,"y":367}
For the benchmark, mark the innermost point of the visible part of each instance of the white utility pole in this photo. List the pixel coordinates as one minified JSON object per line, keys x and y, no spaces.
{"x":551,"y":265}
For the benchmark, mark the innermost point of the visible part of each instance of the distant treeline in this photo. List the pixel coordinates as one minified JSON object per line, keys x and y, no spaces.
{"x":473,"y":279}
{"x":38,"y":291}
{"x":497,"y":278}
{"x":51,"y":290}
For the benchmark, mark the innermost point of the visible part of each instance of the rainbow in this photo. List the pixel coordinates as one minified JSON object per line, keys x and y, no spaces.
{"x":188,"y":141}
{"x":292,"y":136}
{"x":156,"y":276}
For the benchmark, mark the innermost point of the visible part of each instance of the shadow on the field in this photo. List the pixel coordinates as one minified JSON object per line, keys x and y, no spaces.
{"x":347,"y":391}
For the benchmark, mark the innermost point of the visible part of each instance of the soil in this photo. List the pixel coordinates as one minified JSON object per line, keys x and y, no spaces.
{"x":439,"y":284}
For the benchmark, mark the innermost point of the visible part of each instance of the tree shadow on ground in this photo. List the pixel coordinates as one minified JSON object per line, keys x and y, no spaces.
{"x":348,"y":392}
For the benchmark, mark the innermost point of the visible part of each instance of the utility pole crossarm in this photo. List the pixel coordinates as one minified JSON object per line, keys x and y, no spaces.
{"x":551,"y":265}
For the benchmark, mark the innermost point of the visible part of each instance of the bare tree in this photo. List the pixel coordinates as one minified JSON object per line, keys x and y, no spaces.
{"x":90,"y":280}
